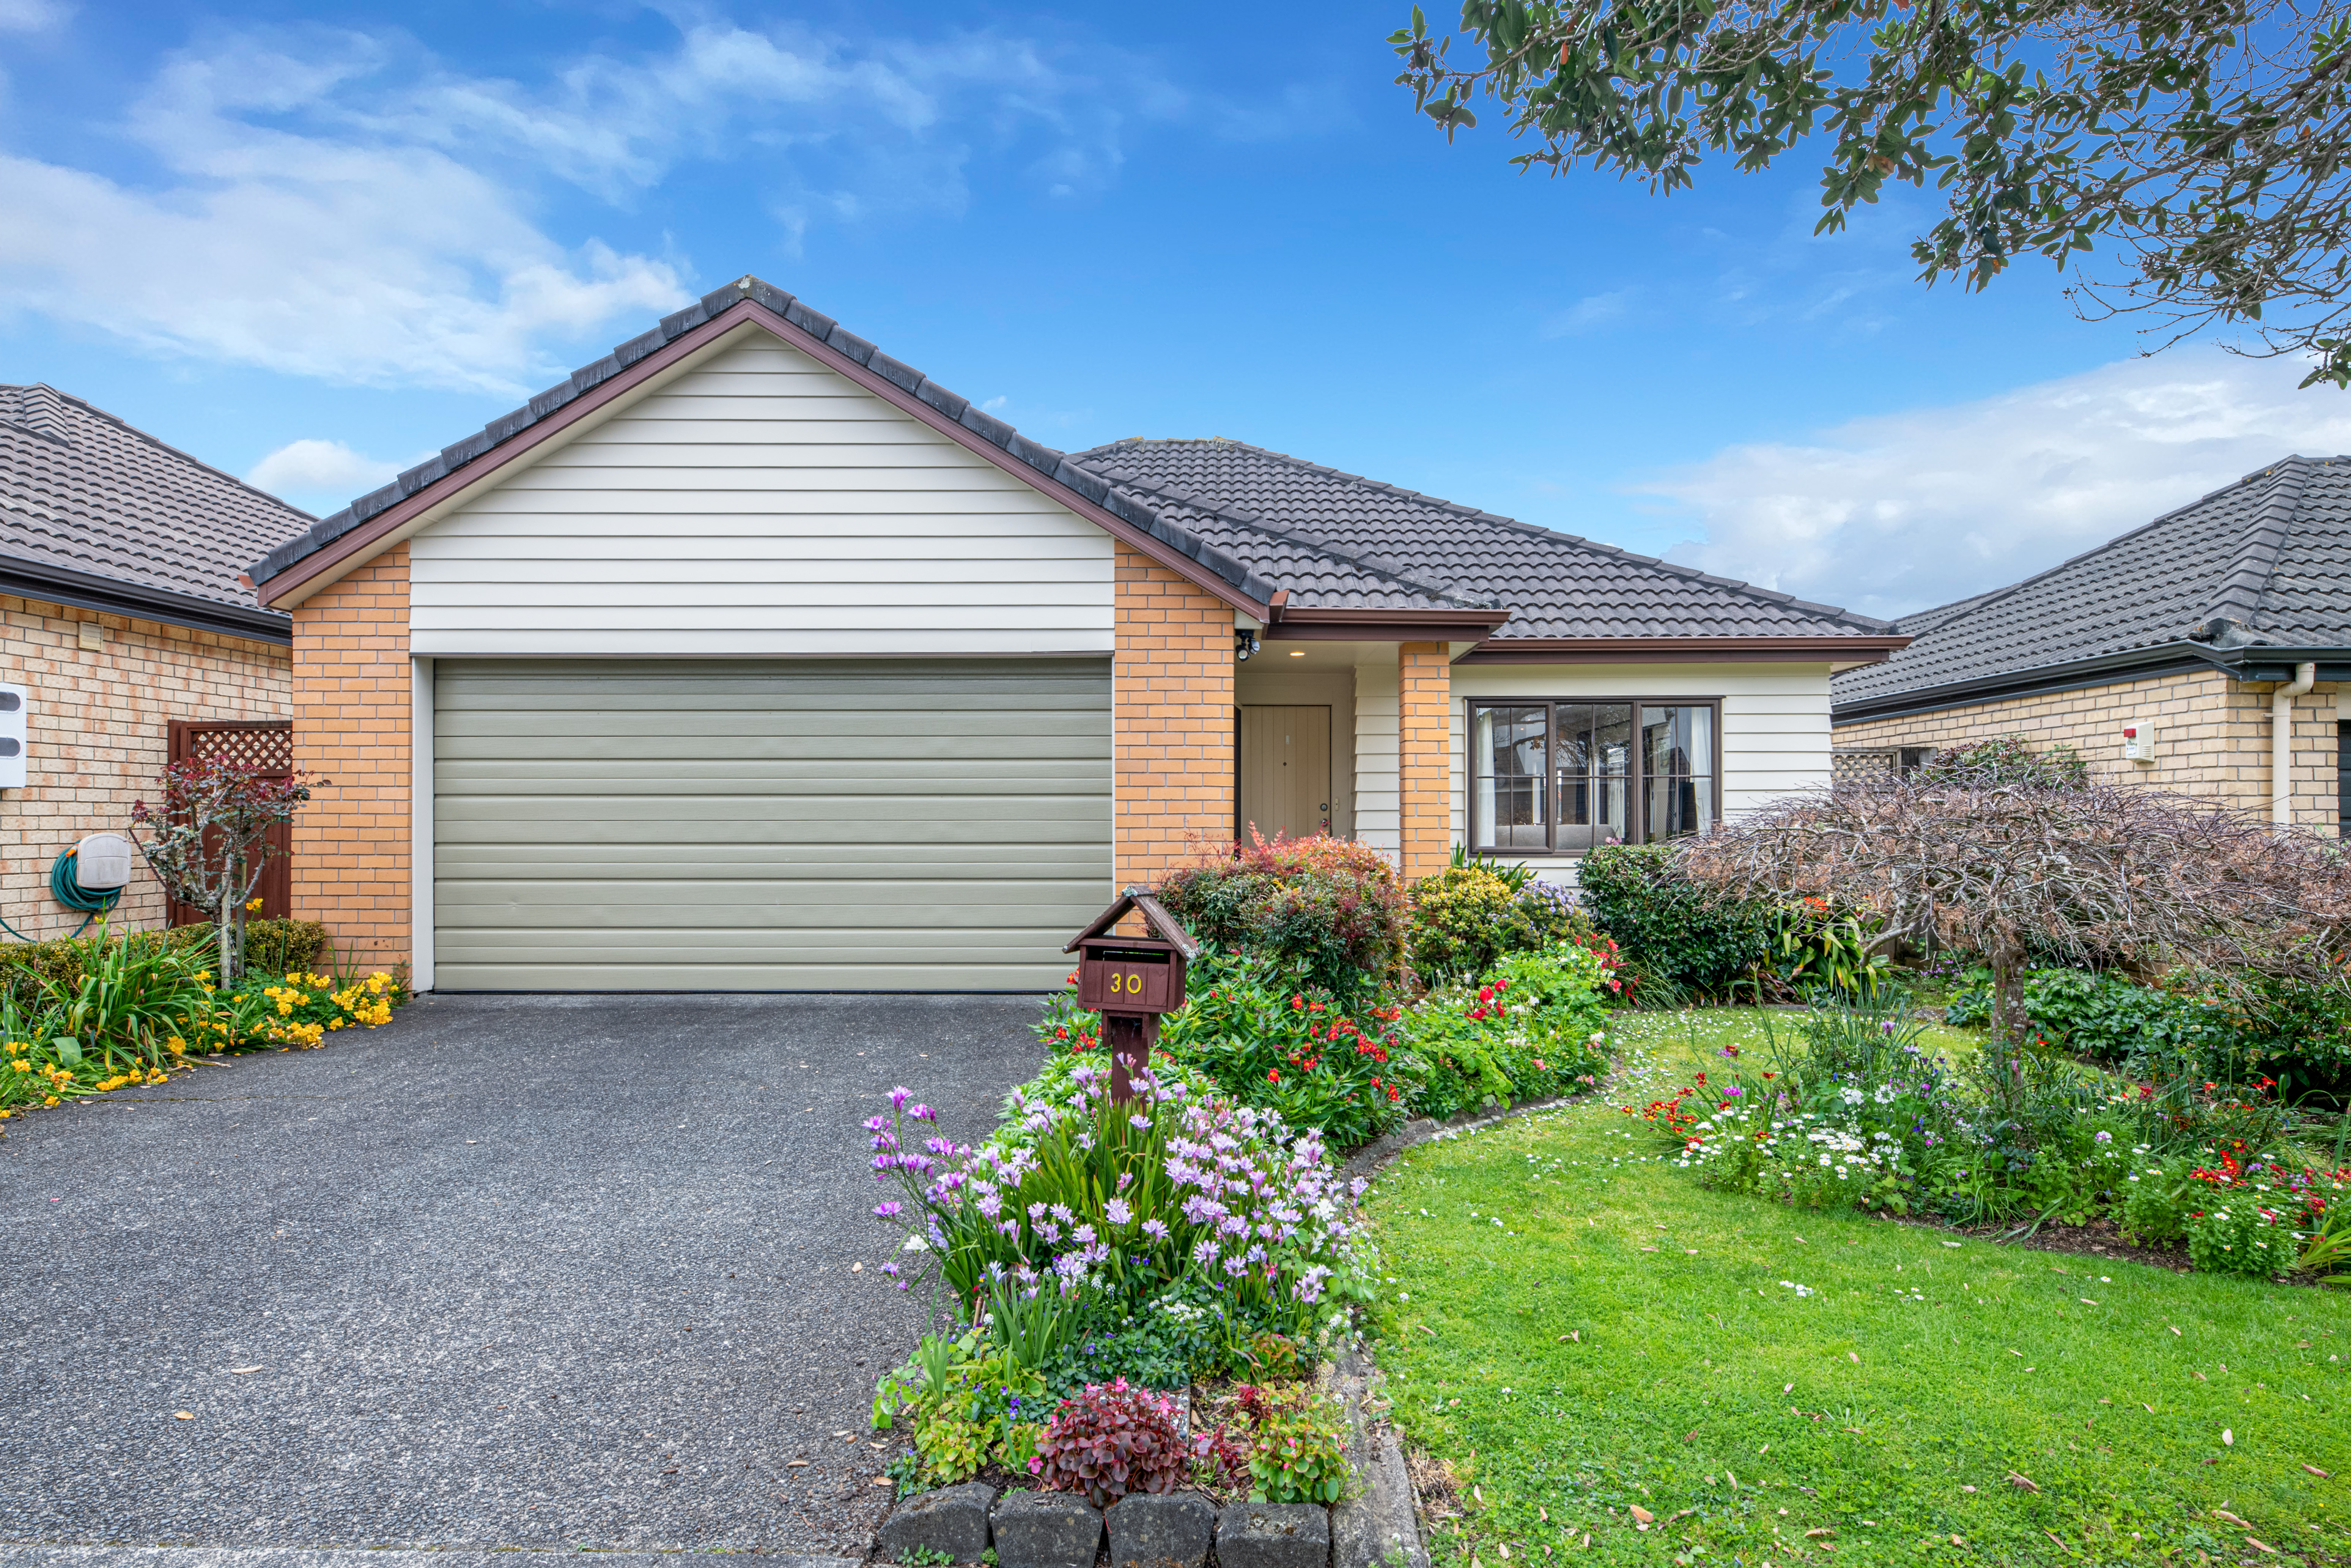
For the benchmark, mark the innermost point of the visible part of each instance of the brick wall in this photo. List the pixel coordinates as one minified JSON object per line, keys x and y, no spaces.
{"x":1425,"y":674}
{"x":351,"y":704}
{"x":1173,"y":692}
{"x":2212,"y":736}
{"x":98,"y":731}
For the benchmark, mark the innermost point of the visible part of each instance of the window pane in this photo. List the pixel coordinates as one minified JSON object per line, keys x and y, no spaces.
{"x":1509,"y":750}
{"x":1677,"y":740}
{"x":1594,"y":743}
{"x":1678,"y":772}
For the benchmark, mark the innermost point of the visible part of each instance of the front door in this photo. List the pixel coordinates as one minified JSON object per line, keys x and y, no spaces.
{"x":1285,"y":770}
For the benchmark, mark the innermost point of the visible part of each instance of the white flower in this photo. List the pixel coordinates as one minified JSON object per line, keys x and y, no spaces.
{"x":1850,"y":1095}
{"x":915,"y":1244}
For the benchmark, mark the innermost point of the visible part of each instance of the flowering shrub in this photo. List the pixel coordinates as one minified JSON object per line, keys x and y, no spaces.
{"x":1297,"y":1450}
{"x":301,"y":1010}
{"x":1110,"y":1440}
{"x":1534,"y":1029}
{"x":1328,"y":909}
{"x":1091,"y":1198}
{"x":1461,"y":922}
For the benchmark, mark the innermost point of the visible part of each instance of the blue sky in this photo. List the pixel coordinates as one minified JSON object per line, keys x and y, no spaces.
{"x":312,"y":245}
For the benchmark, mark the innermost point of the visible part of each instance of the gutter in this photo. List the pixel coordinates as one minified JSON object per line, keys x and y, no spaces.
{"x":88,"y":591}
{"x":2305,"y":675}
{"x":2253,"y":661}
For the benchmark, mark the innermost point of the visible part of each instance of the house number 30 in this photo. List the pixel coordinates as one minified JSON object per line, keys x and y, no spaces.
{"x":1127,"y":982}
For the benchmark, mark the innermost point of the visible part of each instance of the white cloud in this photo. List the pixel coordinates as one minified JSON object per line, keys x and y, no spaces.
{"x":33,"y":15}
{"x":345,"y":258}
{"x":1588,"y":314}
{"x":334,"y":205}
{"x":311,"y":469}
{"x":1898,"y":512}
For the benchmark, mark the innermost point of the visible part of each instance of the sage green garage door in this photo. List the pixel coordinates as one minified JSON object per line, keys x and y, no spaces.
{"x":766,"y":825}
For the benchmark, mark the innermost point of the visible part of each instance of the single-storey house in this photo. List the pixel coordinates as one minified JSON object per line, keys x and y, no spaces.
{"x":132,"y":632}
{"x":2207,"y":652}
{"x":750,"y":658}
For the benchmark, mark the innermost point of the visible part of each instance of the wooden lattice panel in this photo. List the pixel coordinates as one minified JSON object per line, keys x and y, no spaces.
{"x":269,"y":748}
{"x":1853,"y":764}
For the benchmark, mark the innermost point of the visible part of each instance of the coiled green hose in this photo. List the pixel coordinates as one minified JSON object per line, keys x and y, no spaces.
{"x":92,"y":902}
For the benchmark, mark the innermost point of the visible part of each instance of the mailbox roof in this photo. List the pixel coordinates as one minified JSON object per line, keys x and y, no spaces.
{"x":1163,"y":925}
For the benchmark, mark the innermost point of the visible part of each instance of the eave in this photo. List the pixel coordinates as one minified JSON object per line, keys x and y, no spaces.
{"x":1848,"y":651}
{"x":88,"y":590}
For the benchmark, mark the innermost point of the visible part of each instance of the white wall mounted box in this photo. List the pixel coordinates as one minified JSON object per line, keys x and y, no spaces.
{"x":12,"y":700}
{"x":2138,"y":744}
{"x":104,"y":861}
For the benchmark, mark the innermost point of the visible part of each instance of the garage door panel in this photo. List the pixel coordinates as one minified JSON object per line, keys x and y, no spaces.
{"x":605,"y":824}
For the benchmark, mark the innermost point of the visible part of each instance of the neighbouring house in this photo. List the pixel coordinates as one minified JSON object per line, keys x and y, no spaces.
{"x":750,"y":658}
{"x":132,"y":631}
{"x":2201,"y":653}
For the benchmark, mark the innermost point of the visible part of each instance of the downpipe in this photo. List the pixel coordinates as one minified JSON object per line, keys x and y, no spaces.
{"x":2305,"y":675}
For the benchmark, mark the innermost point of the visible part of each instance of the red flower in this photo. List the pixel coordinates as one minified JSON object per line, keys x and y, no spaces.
{"x":1485,"y":993}
{"x":1272,"y":1075}
{"x":1297,"y":1004}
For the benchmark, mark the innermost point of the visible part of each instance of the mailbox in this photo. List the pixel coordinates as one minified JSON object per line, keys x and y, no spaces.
{"x":1126,"y":975}
{"x":1130,"y":980}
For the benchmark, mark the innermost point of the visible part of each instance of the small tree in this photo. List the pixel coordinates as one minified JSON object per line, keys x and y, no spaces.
{"x":208,"y":840}
{"x":2090,"y":873}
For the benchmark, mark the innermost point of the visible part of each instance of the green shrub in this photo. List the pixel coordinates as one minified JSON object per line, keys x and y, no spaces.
{"x":1461,"y":922}
{"x":2009,"y":760}
{"x":1535,"y":1028}
{"x":1665,"y":929}
{"x":2242,"y":1236}
{"x":1327,"y":908}
{"x":271,"y":947}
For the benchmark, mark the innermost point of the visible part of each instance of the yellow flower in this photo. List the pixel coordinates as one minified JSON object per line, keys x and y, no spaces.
{"x":24,"y":1067}
{"x":252,"y":905}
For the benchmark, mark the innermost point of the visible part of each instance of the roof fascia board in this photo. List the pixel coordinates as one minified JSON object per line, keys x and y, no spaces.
{"x":2266,"y":662}
{"x":2139,"y":663}
{"x":1289,"y":625}
{"x":87,"y":590}
{"x":403,"y":519}
{"x":1683,"y":650}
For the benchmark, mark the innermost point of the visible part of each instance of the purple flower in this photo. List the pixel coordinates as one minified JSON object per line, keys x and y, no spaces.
{"x":1156,"y":1230}
{"x":899,"y":1096}
{"x":1117,"y":1212}
{"x":888,"y":1210}
{"x":922,"y":1114}
{"x":877,"y":1124}
{"x":1139,"y":1120}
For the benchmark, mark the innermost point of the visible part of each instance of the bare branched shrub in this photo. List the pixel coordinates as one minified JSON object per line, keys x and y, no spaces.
{"x":2093,"y":874}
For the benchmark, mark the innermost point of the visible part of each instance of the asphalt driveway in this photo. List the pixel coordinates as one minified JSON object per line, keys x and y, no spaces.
{"x":509,"y":1271}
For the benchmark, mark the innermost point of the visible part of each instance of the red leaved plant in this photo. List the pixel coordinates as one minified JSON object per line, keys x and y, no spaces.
{"x":1110,"y":1441}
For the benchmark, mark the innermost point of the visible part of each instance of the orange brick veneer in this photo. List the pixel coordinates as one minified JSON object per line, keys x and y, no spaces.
{"x":1173,"y":730}
{"x":1425,"y":736}
{"x":97,"y":733}
{"x":352,"y":704}
{"x":2212,"y":736}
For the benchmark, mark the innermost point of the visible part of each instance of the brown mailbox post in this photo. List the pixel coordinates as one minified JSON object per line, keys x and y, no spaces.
{"x":1130,"y":980}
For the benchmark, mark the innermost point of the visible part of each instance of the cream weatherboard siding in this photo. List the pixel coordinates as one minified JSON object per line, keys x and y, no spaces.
{"x":759,"y":504}
{"x":1775,"y":723}
{"x":834,"y":824}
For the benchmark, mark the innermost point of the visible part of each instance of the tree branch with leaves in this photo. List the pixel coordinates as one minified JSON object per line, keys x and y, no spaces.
{"x":2203,"y":146}
{"x":2091,"y":873}
{"x":208,"y":839}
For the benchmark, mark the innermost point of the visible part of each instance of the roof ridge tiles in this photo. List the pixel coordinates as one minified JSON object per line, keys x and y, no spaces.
{"x":2238,"y":595}
{"x":130,"y":429}
{"x":1248,"y":519}
{"x":1548,"y":536}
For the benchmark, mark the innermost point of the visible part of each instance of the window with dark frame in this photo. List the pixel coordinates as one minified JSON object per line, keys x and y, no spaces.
{"x":1556,"y":776}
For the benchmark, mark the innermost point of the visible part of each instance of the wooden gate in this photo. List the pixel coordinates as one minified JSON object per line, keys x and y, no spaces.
{"x":266,"y":744}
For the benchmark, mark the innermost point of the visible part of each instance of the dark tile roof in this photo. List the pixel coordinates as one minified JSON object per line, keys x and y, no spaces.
{"x":1402,"y":547}
{"x":83,"y":493}
{"x":1255,"y":518}
{"x":2264,"y":562}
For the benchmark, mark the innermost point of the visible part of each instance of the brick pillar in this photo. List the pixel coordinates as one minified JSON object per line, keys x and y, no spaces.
{"x":1425,"y":674}
{"x":1173,"y":726}
{"x":352,"y":703}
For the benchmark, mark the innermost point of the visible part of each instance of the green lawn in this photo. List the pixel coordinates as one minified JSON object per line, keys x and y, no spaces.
{"x":1577,"y":1329}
